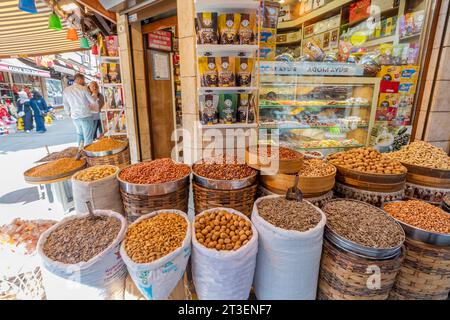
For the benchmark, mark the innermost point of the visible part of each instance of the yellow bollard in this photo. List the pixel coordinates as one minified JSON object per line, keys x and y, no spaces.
{"x":20,"y":126}
{"x":48,"y":119}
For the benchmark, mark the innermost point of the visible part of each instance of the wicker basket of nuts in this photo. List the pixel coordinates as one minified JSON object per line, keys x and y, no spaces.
{"x":273,"y":159}
{"x":367,"y":169}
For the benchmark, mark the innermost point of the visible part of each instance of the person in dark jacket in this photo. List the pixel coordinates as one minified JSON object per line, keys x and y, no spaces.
{"x":40,"y":109}
{"x":24,"y":111}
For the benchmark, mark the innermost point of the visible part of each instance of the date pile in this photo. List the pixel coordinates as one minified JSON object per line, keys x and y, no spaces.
{"x":222,"y":230}
{"x":223,"y":168}
{"x":366,"y":160}
{"x":81,"y":239}
{"x":421,"y":215}
{"x":316,"y":168}
{"x":363,"y":224}
{"x":421,"y":153}
{"x":290,"y":215}
{"x":155,"y":237}
{"x":156,"y":171}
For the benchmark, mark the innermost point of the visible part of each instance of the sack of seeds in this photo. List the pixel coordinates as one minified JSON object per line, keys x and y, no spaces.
{"x":80,"y":257}
{"x":224,"y":248}
{"x":100,"y":186}
{"x":156,"y":250}
{"x":289,"y":250}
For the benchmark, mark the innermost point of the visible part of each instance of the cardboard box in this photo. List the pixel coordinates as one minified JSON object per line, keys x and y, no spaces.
{"x":285,"y":13}
{"x":308,"y":5}
{"x":388,"y":100}
{"x":389,"y":86}
{"x":378,"y":6}
{"x":407,"y":87}
{"x":409,"y":73}
{"x":267,"y":52}
{"x":359,"y":10}
{"x":268,"y":35}
{"x":318,"y":3}
{"x":294,"y":36}
{"x":390,"y":73}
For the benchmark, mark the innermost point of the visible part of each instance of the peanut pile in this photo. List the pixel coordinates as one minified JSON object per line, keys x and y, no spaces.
{"x":95,"y":173}
{"x":222,"y":230}
{"x":367,"y":160}
{"x":421,"y":153}
{"x":155,"y":237}
{"x":316,"y":168}
{"x":105,"y":144}
{"x":421,"y":215}
{"x":57,"y":167}
{"x":223,"y":168}
{"x":156,"y":171}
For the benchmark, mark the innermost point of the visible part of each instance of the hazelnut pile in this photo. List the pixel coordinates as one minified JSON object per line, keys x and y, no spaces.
{"x":366,"y":160}
{"x":222,"y":230}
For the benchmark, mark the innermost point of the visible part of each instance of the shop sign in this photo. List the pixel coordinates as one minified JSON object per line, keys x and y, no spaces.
{"x":161,"y":40}
{"x":311,"y":68}
{"x":22,"y":70}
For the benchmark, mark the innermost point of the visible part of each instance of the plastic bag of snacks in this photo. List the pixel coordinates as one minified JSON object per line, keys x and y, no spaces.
{"x":99,"y":185}
{"x":290,"y":246}
{"x":80,"y":257}
{"x":156,"y":250}
{"x":223,"y":274}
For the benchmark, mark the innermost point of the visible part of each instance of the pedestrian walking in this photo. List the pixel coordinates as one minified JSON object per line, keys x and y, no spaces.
{"x":79,"y":104}
{"x":40,"y":109}
{"x":25,"y":111}
{"x":94,"y":89}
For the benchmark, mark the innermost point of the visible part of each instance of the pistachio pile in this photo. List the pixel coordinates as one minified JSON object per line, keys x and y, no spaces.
{"x":421,"y":153}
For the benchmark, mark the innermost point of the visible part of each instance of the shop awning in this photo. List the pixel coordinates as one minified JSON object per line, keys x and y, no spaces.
{"x":16,"y":66}
{"x":24,"y":34}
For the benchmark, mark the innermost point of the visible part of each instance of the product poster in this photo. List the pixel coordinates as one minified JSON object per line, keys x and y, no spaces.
{"x":387,"y":138}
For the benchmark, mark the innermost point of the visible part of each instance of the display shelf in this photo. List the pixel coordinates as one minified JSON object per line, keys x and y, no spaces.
{"x":227,"y":126}
{"x":226,"y":50}
{"x":300,"y":126}
{"x":409,"y":37}
{"x":113,"y":110}
{"x":289,"y":43}
{"x":333,"y":6}
{"x":385,"y":13}
{"x":337,"y":147}
{"x":107,"y":59}
{"x":219,"y":90}
{"x":378,"y":41}
{"x":111,"y":85}
{"x":225,"y":5}
{"x":275,"y":106}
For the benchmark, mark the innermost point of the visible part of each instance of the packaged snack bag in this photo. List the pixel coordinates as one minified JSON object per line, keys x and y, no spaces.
{"x":206,"y":28}
{"x":104,"y":68}
{"x":226,"y":71}
{"x":114,"y":73}
{"x":247,"y":28}
{"x":209,"y":109}
{"x":271,"y":10}
{"x":229,"y":28}
{"x":227,"y":108}
{"x":409,"y":73}
{"x":208,"y":71}
{"x":244,"y":72}
{"x":245,"y":109}
{"x":112,"y":46}
{"x":313,"y":50}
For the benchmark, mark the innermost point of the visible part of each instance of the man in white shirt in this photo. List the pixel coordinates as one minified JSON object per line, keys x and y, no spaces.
{"x":79,"y":104}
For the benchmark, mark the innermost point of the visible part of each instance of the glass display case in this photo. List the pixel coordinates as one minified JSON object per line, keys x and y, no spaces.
{"x":323,"y":113}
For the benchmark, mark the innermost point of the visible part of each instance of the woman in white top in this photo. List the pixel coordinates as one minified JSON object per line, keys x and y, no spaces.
{"x":94,"y":89}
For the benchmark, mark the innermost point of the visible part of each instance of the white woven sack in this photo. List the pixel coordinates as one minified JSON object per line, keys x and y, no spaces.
{"x":156,"y":280}
{"x":100,"y":278}
{"x":104,"y":194}
{"x":224,"y":275}
{"x":288,"y":262}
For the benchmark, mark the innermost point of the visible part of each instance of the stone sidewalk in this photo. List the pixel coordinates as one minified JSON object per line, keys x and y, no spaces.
{"x":17,"y":153}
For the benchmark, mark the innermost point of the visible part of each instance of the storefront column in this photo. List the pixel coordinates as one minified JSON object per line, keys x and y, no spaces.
{"x":128,"y":86}
{"x":188,"y":75}
{"x":433,"y":123}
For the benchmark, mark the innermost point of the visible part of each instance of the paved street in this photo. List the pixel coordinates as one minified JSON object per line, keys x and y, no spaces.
{"x":18,"y":153}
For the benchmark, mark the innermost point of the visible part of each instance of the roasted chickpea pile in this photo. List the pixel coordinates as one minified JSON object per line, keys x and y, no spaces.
{"x":155,"y":237}
{"x":421,"y":153}
{"x":367,"y":160}
{"x":95,"y":173}
{"x":222,"y":230}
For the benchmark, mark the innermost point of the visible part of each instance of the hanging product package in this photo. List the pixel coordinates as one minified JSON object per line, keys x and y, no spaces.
{"x":206,"y":27}
{"x":244,"y":72}
{"x":224,"y":275}
{"x":156,"y":280}
{"x":209,"y":113}
{"x":227,"y":108}
{"x":100,"y":278}
{"x":247,"y":28}
{"x":288,"y":261}
{"x":208,"y":71}
{"x":229,"y":28}
{"x":226,"y":71}
{"x":104,"y":194}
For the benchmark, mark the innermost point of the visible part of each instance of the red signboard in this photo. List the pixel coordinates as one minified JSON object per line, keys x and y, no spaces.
{"x":161,"y":40}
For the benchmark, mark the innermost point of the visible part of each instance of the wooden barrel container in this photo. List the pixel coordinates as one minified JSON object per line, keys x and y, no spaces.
{"x":241,"y":199}
{"x":425,"y":273}
{"x":310,"y":186}
{"x":425,"y":193}
{"x":281,"y":166}
{"x":371,"y":182}
{"x":346,"y":276}
{"x":318,"y":201}
{"x":430,"y":177}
